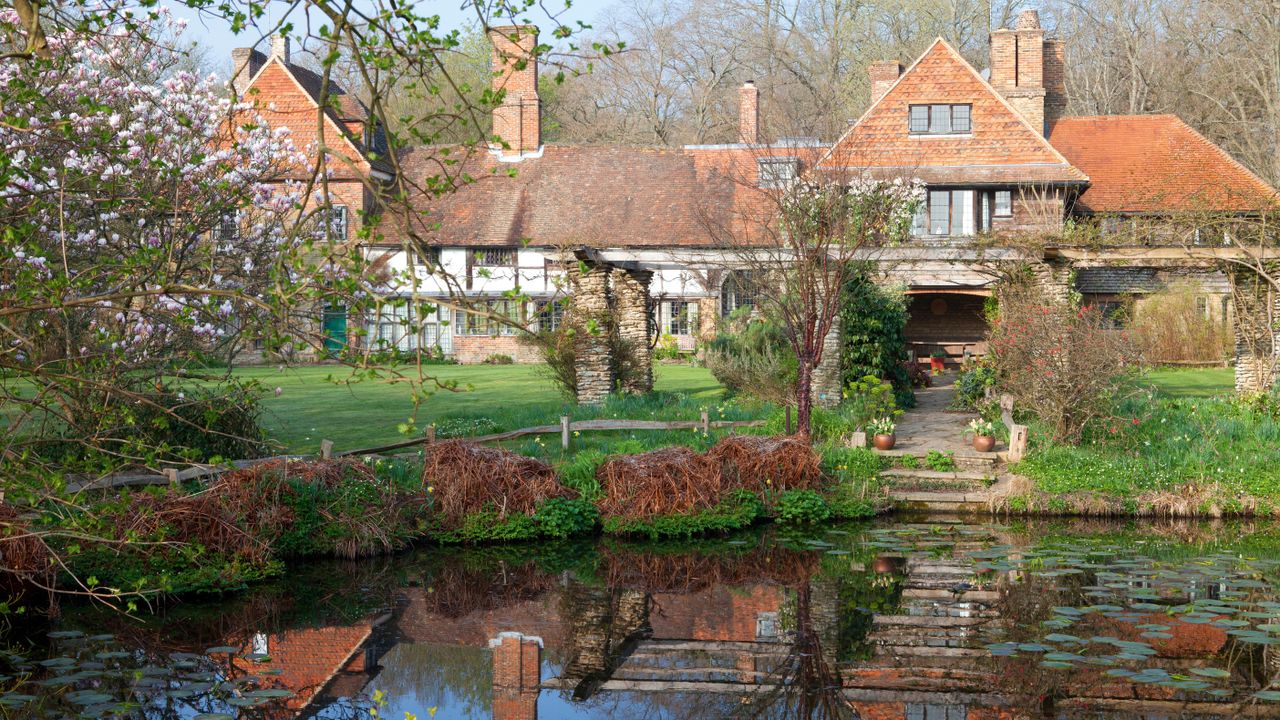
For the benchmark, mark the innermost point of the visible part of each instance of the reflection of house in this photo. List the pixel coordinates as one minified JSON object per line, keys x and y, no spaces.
{"x":993,"y":147}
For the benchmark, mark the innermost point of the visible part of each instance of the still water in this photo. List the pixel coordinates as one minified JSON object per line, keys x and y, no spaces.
{"x":931,"y":619}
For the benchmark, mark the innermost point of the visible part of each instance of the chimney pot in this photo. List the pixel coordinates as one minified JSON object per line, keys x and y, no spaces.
{"x":1027,"y":20}
{"x":749,"y":113}
{"x":245,"y":63}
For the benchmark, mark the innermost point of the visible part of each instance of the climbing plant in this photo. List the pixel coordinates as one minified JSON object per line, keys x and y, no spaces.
{"x":874,"y":324}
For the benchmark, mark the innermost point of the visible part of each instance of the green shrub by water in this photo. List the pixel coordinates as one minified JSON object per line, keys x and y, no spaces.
{"x":804,"y":507}
{"x":738,"y":510}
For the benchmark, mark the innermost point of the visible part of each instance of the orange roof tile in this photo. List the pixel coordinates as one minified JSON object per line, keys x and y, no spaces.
{"x":1001,"y":149}
{"x":1155,"y":164}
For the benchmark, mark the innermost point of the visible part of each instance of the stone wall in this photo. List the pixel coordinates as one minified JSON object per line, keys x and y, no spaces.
{"x":826,"y":389}
{"x":1256,"y":304}
{"x":590,"y":306}
{"x":635,"y":324}
{"x":473,"y":349}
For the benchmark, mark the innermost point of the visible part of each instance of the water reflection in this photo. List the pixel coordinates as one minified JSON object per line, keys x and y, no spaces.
{"x":937,"y":620}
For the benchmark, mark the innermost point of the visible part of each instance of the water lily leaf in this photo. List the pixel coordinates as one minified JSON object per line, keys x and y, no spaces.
{"x":1211,"y":672}
{"x":270,"y":693}
{"x":1270,"y":695}
{"x":222,"y":650}
{"x":1056,"y":664}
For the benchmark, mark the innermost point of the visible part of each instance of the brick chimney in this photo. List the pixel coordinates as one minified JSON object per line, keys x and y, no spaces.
{"x":517,"y":676}
{"x":1055,"y":81}
{"x":749,"y":113}
{"x":518,"y":121}
{"x":883,"y":75}
{"x":1017,"y":67}
{"x":245,"y":63}
{"x":280,"y":47}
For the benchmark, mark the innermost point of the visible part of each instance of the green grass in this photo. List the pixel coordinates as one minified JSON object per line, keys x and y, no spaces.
{"x":1192,"y":383}
{"x":311,"y":407}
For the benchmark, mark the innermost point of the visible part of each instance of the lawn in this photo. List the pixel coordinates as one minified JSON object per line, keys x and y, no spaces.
{"x":1192,"y":382}
{"x":311,"y":408}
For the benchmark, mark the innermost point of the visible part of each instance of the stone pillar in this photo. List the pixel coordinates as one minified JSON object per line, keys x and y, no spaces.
{"x":517,"y":676}
{"x":826,"y":390}
{"x":635,"y":325}
{"x":708,"y":318}
{"x":1256,"y":322}
{"x":1055,"y":279}
{"x":589,"y":308}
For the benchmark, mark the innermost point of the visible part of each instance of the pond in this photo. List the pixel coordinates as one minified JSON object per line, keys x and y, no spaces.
{"x":922,"y":619}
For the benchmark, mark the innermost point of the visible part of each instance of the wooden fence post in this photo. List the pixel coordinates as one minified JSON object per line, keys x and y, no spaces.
{"x":1017,"y":442}
{"x":172,"y":475}
{"x":706,"y":423}
{"x":431,"y":434}
{"x":788,"y":425}
{"x":564,"y":432}
{"x":326,"y":449}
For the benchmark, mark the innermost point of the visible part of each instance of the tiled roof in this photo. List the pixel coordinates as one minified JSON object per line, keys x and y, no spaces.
{"x":1001,"y":148}
{"x":1154,"y":164}
{"x":596,"y":196}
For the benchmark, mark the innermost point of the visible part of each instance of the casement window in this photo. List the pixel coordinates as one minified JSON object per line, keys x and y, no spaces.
{"x":740,"y":289}
{"x":946,"y":213}
{"x":682,"y":317}
{"x":1202,"y":307}
{"x":1003,"y":203}
{"x":551,"y":315}
{"x":777,"y":172}
{"x":428,"y":257}
{"x":409,"y":327}
{"x":484,"y":323}
{"x":940,"y":119}
{"x":338,"y":221}
{"x":493,"y":257}
{"x":227,"y":231}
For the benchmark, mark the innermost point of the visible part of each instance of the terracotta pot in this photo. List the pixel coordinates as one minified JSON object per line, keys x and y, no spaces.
{"x":884,"y":442}
{"x":938,"y":364}
{"x":983,"y":443}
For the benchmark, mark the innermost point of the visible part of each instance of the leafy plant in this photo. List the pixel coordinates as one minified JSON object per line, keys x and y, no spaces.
{"x":940,"y":461}
{"x":802,"y":507}
{"x":667,"y":348}
{"x":563,"y":518}
{"x":972,"y":384}
{"x":498,"y":359}
{"x":751,"y":357}
{"x":868,"y":398}
{"x":873,"y":341}
{"x":882,"y":426}
{"x":982,"y":428}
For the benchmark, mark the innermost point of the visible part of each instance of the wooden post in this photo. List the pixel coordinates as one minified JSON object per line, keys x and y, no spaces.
{"x":564,"y":432}
{"x":431,"y":434}
{"x":326,"y":449}
{"x":1017,"y":442}
{"x":706,"y":423}
{"x":172,"y":474}
{"x":787,"y":427}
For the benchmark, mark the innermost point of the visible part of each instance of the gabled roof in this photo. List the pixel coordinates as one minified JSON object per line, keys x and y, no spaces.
{"x":1001,"y":148}
{"x":342,"y":108}
{"x":1155,"y":164}
{"x":596,"y":196}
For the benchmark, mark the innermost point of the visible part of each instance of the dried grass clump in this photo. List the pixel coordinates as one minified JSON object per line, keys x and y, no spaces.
{"x":758,"y":463}
{"x":24,"y":558}
{"x":202,"y":519}
{"x":467,"y":478}
{"x":662,"y":482}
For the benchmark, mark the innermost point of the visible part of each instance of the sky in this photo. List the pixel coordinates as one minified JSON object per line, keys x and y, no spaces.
{"x":215,"y":36}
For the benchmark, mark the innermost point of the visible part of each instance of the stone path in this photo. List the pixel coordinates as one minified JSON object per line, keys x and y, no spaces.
{"x":930,"y":425}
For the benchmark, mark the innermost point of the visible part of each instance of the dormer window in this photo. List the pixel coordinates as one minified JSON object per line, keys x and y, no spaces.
{"x":941,"y":120}
{"x":777,"y":172}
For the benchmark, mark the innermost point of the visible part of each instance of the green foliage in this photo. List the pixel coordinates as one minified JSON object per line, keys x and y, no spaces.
{"x":802,"y":507}
{"x":851,"y":465}
{"x":498,"y":359}
{"x":849,"y":502}
{"x":910,"y":462}
{"x":738,"y":510}
{"x":491,"y":526}
{"x":579,"y":473}
{"x":752,"y":357}
{"x":940,"y":461}
{"x":463,"y":427}
{"x":667,"y":348}
{"x":874,"y":322}
{"x":564,"y":518}
{"x":972,"y":384}
{"x":868,"y":398}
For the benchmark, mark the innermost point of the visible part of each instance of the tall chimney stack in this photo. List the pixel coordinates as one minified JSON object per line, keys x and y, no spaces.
{"x":883,"y":75}
{"x":280,"y":47}
{"x":749,"y":113}
{"x":245,"y":63}
{"x":1055,"y":81}
{"x":518,"y":121}
{"x":1018,"y":67}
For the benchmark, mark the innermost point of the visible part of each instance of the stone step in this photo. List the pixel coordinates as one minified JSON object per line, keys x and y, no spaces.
{"x":968,"y":503}
{"x":925,"y":621}
{"x":979,"y":596}
{"x":965,"y":458}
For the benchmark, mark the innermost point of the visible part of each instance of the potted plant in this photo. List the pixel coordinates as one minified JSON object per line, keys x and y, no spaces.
{"x":881,"y":430}
{"x":984,"y":434}
{"x":938,"y":361}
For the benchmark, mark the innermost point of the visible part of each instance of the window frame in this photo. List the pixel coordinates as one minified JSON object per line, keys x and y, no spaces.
{"x":933,"y":126}
{"x":480,"y":256}
{"x":681,"y":314}
{"x":474,"y":324}
{"x":339,"y":221}
{"x":776,"y":180}
{"x":429,"y":263}
{"x":996,"y":211}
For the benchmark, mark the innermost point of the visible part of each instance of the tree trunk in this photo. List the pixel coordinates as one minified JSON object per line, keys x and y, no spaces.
{"x":804,"y":396}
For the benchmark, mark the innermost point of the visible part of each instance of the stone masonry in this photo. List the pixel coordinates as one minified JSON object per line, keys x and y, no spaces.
{"x":590,"y":309}
{"x":635,"y":323}
{"x":1254,"y":372}
{"x":826,"y":390}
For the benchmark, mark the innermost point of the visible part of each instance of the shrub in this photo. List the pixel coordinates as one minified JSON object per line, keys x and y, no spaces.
{"x":498,"y":359}
{"x":802,"y":507}
{"x":559,"y":352}
{"x":939,"y":461}
{"x":868,"y":398}
{"x":972,"y":384}
{"x":753,"y":358}
{"x":874,"y":322}
{"x":917,"y":374}
{"x":1063,"y":362}
{"x":562,"y":518}
{"x":579,"y":473}
{"x":850,"y":465}
{"x":1172,"y":328}
{"x":667,"y":348}
{"x":849,"y":502}
{"x":490,"y":525}
{"x":465,"y":427}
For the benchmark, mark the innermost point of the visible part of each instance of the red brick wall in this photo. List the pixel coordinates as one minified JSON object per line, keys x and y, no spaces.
{"x":518,"y":121}
{"x":961,"y":322}
{"x":517,"y":674}
{"x":473,"y":349}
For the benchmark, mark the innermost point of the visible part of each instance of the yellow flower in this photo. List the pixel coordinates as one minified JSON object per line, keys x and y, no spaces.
{"x":431,"y":488}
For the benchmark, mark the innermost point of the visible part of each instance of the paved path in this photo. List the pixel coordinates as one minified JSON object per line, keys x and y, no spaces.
{"x":930,"y":425}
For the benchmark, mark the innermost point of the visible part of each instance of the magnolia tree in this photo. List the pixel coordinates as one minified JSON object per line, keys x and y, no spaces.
{"x":146,"y":222}
{"x":805,"y":246}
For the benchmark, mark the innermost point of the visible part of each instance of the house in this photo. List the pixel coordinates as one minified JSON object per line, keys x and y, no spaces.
{"x":994,"y":148}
